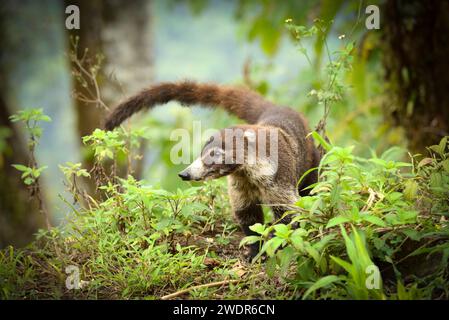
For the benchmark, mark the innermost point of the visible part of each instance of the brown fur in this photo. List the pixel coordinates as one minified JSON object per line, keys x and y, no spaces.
{"x":249,"y":185}
{"x":243,"y":103}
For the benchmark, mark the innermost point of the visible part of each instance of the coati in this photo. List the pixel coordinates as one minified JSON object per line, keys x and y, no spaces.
{"x":251,"y":183}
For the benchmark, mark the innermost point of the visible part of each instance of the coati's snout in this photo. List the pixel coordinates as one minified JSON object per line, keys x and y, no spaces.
{"x":197,"y":171}
{"x":212,"y":164}
{"x":185,"y":175}
{"x":201,"y":169}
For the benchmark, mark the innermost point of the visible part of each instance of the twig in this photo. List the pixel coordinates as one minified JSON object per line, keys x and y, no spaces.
{"x":207,"y":285}
{"x":83,"y":69}
{"x":321,"y":126}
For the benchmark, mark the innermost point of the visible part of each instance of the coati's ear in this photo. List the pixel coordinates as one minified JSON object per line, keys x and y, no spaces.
{"x":250,"y":135}
{"x":213,"y":140}
{"x":250,"y":146}
{"x":249,"y":138}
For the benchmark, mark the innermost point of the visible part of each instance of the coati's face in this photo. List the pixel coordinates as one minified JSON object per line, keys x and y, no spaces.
{"x":214,"y":161}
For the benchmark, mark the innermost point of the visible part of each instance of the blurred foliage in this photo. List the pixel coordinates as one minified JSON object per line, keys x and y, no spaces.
{"x":356,"y":118}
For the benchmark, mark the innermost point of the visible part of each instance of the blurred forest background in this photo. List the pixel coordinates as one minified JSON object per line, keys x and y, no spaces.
{"x":397,"y":97}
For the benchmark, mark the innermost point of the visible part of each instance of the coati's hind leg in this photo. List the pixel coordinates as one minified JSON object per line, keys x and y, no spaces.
{"x":278,"y":212}
{"x":310,"y":179}
{"x":246,"y":217}
{"x":285,"y":204}
{"x":284,"y":201}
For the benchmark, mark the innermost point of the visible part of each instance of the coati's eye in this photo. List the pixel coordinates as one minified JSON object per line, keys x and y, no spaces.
{"x":215,"y":153}
{"x":213,"y":156}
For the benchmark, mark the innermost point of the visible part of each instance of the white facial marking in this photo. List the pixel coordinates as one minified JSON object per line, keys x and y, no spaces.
{"x":197,"y":168}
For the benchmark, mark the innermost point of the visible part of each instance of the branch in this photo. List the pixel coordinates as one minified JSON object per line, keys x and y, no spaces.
{"x":207,"y":285}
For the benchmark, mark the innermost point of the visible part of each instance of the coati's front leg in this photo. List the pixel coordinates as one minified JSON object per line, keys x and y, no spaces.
{"x":246,"y":208}
{"x":246,"y":217}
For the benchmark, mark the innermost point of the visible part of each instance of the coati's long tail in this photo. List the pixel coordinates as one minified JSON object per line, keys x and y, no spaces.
{"x":241,"y":102}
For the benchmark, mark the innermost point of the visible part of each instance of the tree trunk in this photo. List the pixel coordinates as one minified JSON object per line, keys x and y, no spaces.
{"x":416,"y":51}
{"x":119,"y":30}
{"x":19,"y":217}
{"x":127,"y":44}
{"x":89,"y":115}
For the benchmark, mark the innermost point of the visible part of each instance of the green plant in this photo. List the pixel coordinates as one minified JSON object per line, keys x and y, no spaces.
{"x":32,"y":172}
{"x":136,"y":241}
{"x":330,"y":90}
{"x":395,"y":212}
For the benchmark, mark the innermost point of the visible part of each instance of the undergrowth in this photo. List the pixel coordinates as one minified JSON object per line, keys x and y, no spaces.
{"x":371,"y":228}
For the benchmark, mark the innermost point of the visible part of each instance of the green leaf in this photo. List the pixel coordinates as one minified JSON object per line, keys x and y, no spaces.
{"x":312,"y":252}
{"x":29,"y":181}
{"x":344,"y":264}
{"x":161,"y":192}
{"x":249,"y":240}
{"x":285,"y":258}
{"x":282,"y":231}
{"x":442,"y":145}
{"x":374,"y":220}
{"x":21,"y":167}
{"x":402,"y":292}
{"x":350,"y":246}
{"x":45,"y":118}
{"x":394,"y":196}
{"x":271,"y":245}
{"x":258,"y":228}
{"x":321,"y":283}
{"x":411,"y":190}
{"x":305,"y":175}
{"x":407,"y":216}
{"x":321,"y":141}
{"x":445,"y":165}
{"x":436,"y":180}
{"x":270,"y":266}
{"x":413,"y":234}
{"x":296,"y":239}
{"x":336,"y":221}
